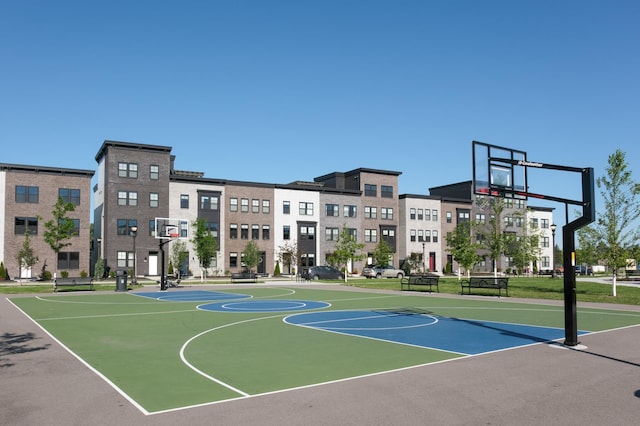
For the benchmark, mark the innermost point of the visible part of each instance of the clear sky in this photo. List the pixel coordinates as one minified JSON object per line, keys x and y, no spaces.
{"x":283,"y":90}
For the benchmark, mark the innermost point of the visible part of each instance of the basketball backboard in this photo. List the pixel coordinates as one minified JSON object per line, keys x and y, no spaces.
{"x":169,"y":228}
{"x":499,"y":171}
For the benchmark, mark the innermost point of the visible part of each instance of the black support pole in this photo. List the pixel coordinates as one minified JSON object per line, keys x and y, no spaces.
{"x":570,"y":301}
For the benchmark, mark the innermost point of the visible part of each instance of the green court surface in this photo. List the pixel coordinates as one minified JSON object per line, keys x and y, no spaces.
{"x":182,"y":348}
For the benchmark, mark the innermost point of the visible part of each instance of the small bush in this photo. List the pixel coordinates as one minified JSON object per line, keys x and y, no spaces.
{"x":64,"y":274}
{"x":83,"y":273}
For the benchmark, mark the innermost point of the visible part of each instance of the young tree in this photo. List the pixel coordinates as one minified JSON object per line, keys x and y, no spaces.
{"x":251,"y":255}
{"x":178,"y":255}
{"x":288,"y":255}
{"x":614,"y":228}
{"x":462,"y":248}
{"x":493,"y":238}
{"x":61,"y":228}
{"x":26,"y":257}
{"x":204,"y":244}
{"x":346,"y":250}
{"x":382,"y":253}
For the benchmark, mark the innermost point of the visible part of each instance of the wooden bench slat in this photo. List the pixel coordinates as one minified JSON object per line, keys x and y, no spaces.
{"x":72,"y":281}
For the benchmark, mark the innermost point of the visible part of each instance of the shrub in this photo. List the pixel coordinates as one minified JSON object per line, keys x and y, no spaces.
{"x":276,"y":270}
{"x":64,"y":274}
{"x":46,"y":275}
{"x":3,"y":272}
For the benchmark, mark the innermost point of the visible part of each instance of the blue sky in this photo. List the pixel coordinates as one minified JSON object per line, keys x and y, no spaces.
{"x":277,"y":91}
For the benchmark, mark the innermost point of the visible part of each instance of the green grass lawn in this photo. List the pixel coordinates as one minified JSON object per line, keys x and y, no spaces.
{"x":524,"y":287}
{"x":529,"y":287}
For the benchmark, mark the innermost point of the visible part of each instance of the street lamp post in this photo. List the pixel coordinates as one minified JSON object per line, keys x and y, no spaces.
{"x":134,"y":234}
{"x":553,"y":250}
{"x":424,"y":260}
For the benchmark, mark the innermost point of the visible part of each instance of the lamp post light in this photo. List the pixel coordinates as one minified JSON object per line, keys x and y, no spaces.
{"x":424,"y":260}
{"x":134,"y":233}
{"x":553,"y":250}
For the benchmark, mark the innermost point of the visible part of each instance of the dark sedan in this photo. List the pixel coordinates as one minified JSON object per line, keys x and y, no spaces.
{"x":322,"y":273}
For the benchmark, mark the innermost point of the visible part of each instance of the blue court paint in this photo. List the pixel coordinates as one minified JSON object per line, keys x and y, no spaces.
{"x":464,"y":336}
{"x":260,"y":306}
{"x":191,"y":295}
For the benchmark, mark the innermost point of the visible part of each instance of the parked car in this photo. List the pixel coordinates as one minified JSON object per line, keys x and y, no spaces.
{"x":388,"y":271}
{"x":322,"y":273}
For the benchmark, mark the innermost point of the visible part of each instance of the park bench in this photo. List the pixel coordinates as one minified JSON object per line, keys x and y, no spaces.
{"x":497,"y":283}
{"x":243,"y":276}
{"x":420,"y":281}
{"x":72,"y":282}
{"x":629,"y":273}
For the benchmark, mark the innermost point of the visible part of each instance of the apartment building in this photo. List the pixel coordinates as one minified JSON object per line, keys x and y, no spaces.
{"x":30,"y":194}
{"x":419,"y":229}
{"x":295,"y":225}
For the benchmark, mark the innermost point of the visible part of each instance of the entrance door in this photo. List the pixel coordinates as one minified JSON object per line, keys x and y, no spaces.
{"x":153,"y":264}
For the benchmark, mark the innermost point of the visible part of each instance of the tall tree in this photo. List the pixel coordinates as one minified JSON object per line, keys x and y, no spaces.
{"x":615,"y":226}
{"x":61,"y":228}
{"x":204,"y":244}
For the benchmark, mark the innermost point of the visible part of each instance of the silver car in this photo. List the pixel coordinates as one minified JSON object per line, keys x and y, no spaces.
{"x":388,"y":271}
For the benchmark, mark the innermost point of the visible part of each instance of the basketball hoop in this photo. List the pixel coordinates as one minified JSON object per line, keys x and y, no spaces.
{"x":172,"y":236}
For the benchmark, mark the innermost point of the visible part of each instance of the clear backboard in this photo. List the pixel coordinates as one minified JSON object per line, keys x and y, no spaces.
{"x":170,"y":228}
{"x":499,"y":171}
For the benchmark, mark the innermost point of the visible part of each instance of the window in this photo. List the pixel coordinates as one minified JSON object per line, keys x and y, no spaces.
{"x":152,"y":228}
{"x":386,"y":213}
{"x":350,"y":211}
{"x":266,"y":206}
{"x":420,"y":235}
{"x":534,"y":223}
{"x":24,"y":224}
{"x":370,"y":235}
{"x":128,"y":170}
{"x":154,"y":172}
{"x":286,"y":232}
{"x":332,"y":209}
{"x":508,"y":221}
{"x":255,"y":206}
{"x":427,"y":214}
{"x":545,"y":262}
{"x":307,"y":232}
{"x":68,"y":260}
{"x":184,"y":201}
{"x":76,"y":227}
{"x":208,"y":202}
{"x":449,"y":217}
{"x":427,"y":236}
{"x":306,"y":209}
{"x":434,"y":215}
{"x":519,"y":221}
{"x":544,"y":241}
{"x":27,"y":194}
{"x":125,"y":225}
{"x":233,"y":260}
{"x":370,"y":190}
{"x":266,"y":232}
{"x":386,"y":191}
{"x":544,"y":223}
{"x":244,"y":205}
{"x":331,"y":234}
{"x":255,"y":232}
{"x":371,"y":212}
{"x":481,"y":218}
{"x":412,"y":235}
{"x":420,"y":214}
{"x":233,"y":204}
{"x":153,"y":199}
{"x":70,"y":195}
{"x":233,"y":231}
{"x":244,"y":231}
{"x":412,"y":213}
{"x":286,"y":207}
{"x":434,"y":236}
{"x":126,"y":198}
{"x":519,"y":204}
